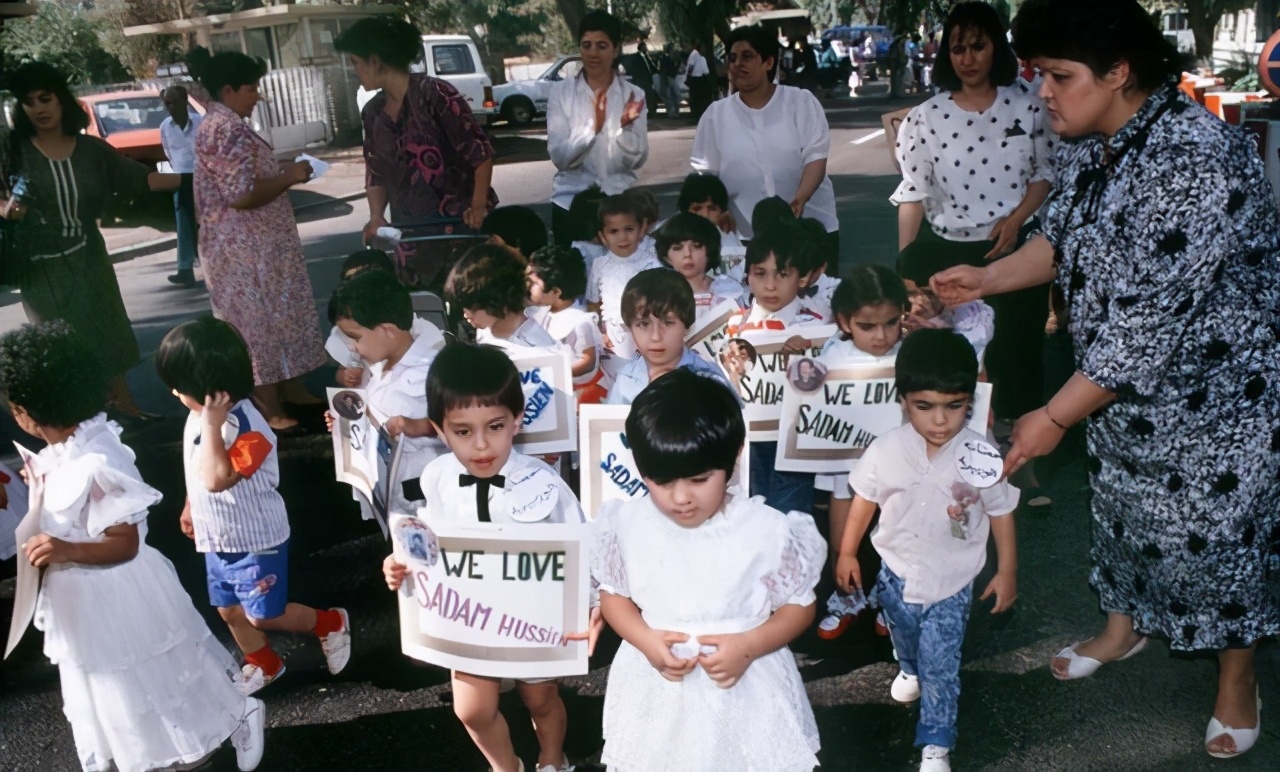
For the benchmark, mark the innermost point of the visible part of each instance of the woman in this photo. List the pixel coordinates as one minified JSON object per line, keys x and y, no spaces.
{"x":57,"y":256}
{"x":425,"y":154}
{"x":253,"y":262}
{"x":597,"y":131}
{"x":1163,"y":241}
{"x":975,"y":168}
{"x":768,"y":140}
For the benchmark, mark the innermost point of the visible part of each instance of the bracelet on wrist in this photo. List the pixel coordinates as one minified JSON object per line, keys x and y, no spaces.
{"x":1055,"y":421}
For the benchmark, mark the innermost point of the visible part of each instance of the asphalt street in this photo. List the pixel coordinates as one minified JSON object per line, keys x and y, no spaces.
{"x":387,"y":712}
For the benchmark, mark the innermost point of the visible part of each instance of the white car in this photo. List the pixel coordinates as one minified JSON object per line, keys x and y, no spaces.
{"x":519,"y":102}
{"x":456,"y":59}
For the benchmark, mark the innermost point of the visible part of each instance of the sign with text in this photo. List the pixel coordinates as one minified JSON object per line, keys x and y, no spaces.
{"x":27,"y":589}
{"x":364,"y":455}
{"x":494,"y":600}
{"x":708,"y":335}
{"x":550,"y":409}
{"x":762,"y":384}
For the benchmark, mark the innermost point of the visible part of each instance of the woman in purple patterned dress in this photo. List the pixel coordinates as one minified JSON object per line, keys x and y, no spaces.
{"x":253,"y":262}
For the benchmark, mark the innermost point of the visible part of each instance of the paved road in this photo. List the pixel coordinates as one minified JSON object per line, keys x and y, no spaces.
{"x":387,"y":713}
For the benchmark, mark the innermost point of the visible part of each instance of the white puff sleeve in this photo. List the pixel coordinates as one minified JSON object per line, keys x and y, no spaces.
{"x":90,"y":493}
{"x":915,"y":158}
{"x":608,"y":572}
{"x":863,"y":479}
{"x":804,"y":552}
{"x":812,"y":128}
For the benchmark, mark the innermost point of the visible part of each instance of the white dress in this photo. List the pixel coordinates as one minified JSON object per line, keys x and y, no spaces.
{"x":726,"y":576}
{"x":144,"y":683}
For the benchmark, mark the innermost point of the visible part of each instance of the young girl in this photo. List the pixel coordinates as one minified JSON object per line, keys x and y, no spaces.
{"x":145,"y":685}
{"x":706,"y":588}
{"x":691,"y":245}
{"x":489,"y":283}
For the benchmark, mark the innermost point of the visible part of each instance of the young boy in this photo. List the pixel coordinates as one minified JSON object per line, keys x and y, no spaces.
{"x":932,"y":535}
{"x":557,"y":278}
{"x":490,"y":285}
{"x":658,"y":309}
{"x":815,"y":298}
{"x":476,"y":405}
{"x":622,"y":231}
{"x":234,"y":511}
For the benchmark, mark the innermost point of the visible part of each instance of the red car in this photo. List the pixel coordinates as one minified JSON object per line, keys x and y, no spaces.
{"x":130,"y":122}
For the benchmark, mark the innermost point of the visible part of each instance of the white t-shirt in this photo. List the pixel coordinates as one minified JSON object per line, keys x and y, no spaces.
{"x":762,"y":153}
{"x":696,"y":67}
{"x":606,"y":280}
{"x":529,"y":334}
{"x":532,"y":492}
{"x":576,"y":328}
{"x":584,"y":157}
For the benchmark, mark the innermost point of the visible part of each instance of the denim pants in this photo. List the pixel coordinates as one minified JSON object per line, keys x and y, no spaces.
{"x":784,"y":491}
{"x":184,"y":215}
{"x":927,"y":638}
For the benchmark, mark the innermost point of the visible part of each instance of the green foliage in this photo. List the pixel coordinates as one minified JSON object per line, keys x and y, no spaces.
{"x":64,"y":37}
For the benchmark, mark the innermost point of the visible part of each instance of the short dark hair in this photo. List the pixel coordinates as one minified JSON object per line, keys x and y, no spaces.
{"x":490,"y":278}
{"x":228,"y":69}
{"x":646,"y":204}
{"x":561,"y":268}
{"x":584,"y":214}
{"x":919,"y":265}
{"x":365,"y":260}
{"x":53,"y":373}
{"x":768,"y":213}
{"x":601,"y":21}
{"x":763,"y":40}
{"x":786,"y":242}
{"x":683,"y":425}
{"x":39,"y":76}
{"x":683,"y":227}
{"x":812,"y":245}
{"x":1100,"y":34}
{"x":978,"y":17}
{"x":517,"y":226}
{"x":867,"y":285}
{"x":467,"y":375}
{"x":658,"y":292}
{"x":936,"y":360}
{"x":619,"y":204}
{"x":392,"y":39}
{"x":204,"y":356}
{"x":372,"y":298}
{"x":702,"y":186}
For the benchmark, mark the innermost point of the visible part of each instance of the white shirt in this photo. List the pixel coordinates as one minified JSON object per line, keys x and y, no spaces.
{"x":574,"y":327}
{"x":762,"y":153}
{"x":583,"y":157}
{"x":760,"y":318}
{"x":342,"y":348}
{"x":970,"y":169}
{"x":819,"y":304}
{"x":529,"y":334}
{"x":606,"y":280}
{"x":589,"y":249}
{"x":915,"y":537}
{"x":696,"y":67}
{"x":180,"y":144}
{"x":532,"y":493}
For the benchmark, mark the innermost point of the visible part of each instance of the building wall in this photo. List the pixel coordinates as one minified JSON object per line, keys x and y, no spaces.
{"x":1241,"y":36}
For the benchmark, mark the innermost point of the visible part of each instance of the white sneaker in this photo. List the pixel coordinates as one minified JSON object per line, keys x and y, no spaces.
{"x":252,"y":679}
{"x":337,"y":645}
{"x":249,"y":738}
{"x":935,"y":759}
{"x":564,"y":767}
{"x":905,"y":688}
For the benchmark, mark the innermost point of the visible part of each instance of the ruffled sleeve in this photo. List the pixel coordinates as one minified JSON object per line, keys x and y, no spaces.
{"x":608,"y":572}
{"x":89,"y":493}
{"x":916,"y":159}
{"x":803,"y":554}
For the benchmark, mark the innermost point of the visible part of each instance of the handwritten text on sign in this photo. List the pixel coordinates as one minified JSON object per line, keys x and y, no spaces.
{"x":763,"y":386}
{"x":708,"y":335}
{"x":549,"y":424}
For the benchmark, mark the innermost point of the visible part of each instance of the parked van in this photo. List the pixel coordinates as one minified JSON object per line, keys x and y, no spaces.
{"x":456,"y":59}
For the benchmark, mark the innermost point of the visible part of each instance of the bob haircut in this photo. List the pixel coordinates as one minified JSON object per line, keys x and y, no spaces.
{"x":229,"y":69}
{"x":658,"y":292}
{"x":689,"y":227}
{"x":762,"y":40}
{"x":702,"y":186}
{"x":561,"y":268}
{"x":601,"y":21}
{"x":584,"y":214}
{"x":39,"y":76}
{"x":396,"y":42}
{"x":204,"y":356}
{"x":683,"y":425}
{"x":1099,"y":34}
{"x":467,"y":375}
{"x":519,"y":227}
{"x":53,"y":373}
{"x":788,"y":243}
{"x":981,"y":18}
{"x":488,"y":278}
{"x":365,"y":260}
{"x":936,"y":360}
{"x":620,"y":204}
{"x":867,"y":285}
{"x":370,"y":299}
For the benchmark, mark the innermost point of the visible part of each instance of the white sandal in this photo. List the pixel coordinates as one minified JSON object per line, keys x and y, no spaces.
{"x":1082,"y":667}
{"x":1244,"y":738}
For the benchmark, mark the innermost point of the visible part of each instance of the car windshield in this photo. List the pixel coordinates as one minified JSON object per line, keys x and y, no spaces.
{"x":132,"y":114}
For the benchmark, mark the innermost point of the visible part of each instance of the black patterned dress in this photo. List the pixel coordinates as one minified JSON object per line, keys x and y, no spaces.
{"x":1167,"y":245}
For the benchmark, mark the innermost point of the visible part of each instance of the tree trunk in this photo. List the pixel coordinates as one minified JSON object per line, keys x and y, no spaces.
{"x":572,"y":11}
{"x":1203,"y":22}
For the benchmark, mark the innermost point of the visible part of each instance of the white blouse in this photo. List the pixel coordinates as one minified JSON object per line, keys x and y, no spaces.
{"x":584,"y":157}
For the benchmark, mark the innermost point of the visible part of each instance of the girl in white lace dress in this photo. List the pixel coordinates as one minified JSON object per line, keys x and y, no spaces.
{"x":706,"y":588}
{"x":145,"y":685}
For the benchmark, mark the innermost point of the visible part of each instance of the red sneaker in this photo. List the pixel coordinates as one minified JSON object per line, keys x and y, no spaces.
{"x":833,"y":626}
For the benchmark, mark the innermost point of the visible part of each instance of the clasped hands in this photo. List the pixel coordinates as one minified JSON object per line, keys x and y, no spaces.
{"x":724,"y":666}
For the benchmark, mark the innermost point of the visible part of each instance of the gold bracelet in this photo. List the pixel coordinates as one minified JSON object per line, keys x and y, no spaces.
{"x":1054,"y":420}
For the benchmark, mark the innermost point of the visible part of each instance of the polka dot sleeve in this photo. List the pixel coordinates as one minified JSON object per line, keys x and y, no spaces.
{"x":915,"y":158}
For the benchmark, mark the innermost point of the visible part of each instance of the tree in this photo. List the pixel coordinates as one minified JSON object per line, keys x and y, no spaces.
{"x":1203,"y":17}
{"x":140,"y":55}
{"x":65,"y":37}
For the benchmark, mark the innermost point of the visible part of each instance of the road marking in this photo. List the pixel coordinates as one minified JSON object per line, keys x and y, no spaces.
{"x":873,"y":135}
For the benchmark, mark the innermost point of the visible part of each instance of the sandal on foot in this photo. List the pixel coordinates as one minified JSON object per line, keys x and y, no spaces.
{"x":1243,"y":738}
{"x":1082,"y":667}
{"x":833,"y":626}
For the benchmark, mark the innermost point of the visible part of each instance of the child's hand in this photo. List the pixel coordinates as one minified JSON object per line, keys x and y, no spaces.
{"x":216,"y":407}
{"x":394,"y":572}
{"x":658,"y":651}
{"x":328,"y":421}
{"x":594,"y":628}
{"x":730,"y":660}
{"x":727,"y":222}
{"x":1004,"y":585}
{"x":395,"y":426}
{"x":42,"y":550}
{"x":848,"y":573}
{"x":349,"y":377}
{"x":184,"y":522}
{"x":796,"y":344}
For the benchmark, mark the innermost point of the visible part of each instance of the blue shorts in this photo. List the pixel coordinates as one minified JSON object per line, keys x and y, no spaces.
{"x":256,"y":581}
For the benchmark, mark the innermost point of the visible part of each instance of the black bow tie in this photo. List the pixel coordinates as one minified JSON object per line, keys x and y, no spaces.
{"x":482,"y":491}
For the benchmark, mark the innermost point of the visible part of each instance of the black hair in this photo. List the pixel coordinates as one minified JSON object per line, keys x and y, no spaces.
{"x":467,"y":375}
{"x":489,"y":278}
{"x":867,"y":285}
{"x":561,"y":268}
{"x":745,"y":345}
{"x":204,"y":356}
{"x":658,"y":292}
{"x":518,"y":226}
{"x":769,"y":212}
{"x":620,"y":204}
{"x":392,"y":39}
{"x":228,"y":69}
{"x":702,"y":186}
{"x":786,"y":242}
{"x":919,"y":265}
{"x":646,"y":204}
{"x":812,"y":244}
{"x":683,"y":425}
{"x":601,"y":21}
{"x":683,"y":227}
{"x":584,"y":214}
{"x":365,"y":260}
{"x":936,"y":360}
{"x":1100,"y":34}
{"x":39,"y":76}
{"x":763,"y":40}
{"x":982,"y":18}
{"x":370,"y":299}
{"x":53,"y":373}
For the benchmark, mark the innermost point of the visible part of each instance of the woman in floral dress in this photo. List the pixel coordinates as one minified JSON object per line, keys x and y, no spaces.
{"x":253,"y":262}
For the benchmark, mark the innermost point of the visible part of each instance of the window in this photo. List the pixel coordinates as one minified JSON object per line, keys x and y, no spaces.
{"x":323,"y":31}
{"x":133,"y":114}
{"x":453,"y":59}
{"x":257,"y":44}
{"x":289,"y":44}
{"x":569,"y":70}
{"x":225,"y":41}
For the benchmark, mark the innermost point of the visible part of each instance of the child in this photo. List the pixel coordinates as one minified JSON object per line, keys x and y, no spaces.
{"x":622,"y":231}
{"x":584,"y":223}
{"x":490,"y":284}
{"x":234,"y":512}
{"x":476,"y":404}
{"x":691,"y":245}
{"x":703,"y":194}
{"x":769,"y":213}
{"x":975,"y":320}
{"x":868,"y":307}
{"x":932,"y":535}
{"x":684,"y":691}
{"x":658,"y":309}
{"x":819,"y":287}
{"x":518,"y":227}
{"x":117,"y":623}
{"x":351,"y":368}
{"x":557,"y":278}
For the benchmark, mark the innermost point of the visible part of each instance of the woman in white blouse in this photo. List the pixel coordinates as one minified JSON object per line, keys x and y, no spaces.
{"x":596,"y":127}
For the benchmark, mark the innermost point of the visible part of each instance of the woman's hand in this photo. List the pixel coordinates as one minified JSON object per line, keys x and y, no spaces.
{"x":1034,"y":435}
{"x":657,"y":649}
{"x":632,"y":111}
{"x":475,"y":214}
{"x":216,"y":408}
{"x":394,"y":572}
{"x":298,"y":172}
{"x":797,"y":206}
{"x":1005,"y":235}
{"x":371,"y":229}
{"x":732,"y":657}
{"x":601,"y":104}
{"x":959,"y":284}
{"x":42,"y":550}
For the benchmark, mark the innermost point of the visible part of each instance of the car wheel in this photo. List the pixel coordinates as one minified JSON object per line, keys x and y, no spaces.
{"x":518,"y":111}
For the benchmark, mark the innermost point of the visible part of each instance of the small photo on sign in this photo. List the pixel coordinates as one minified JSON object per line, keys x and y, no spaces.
{"x":806,"y":375}
{"x":418,"y":541}
{"x":736,"y":358}
{"x":349,"y":405}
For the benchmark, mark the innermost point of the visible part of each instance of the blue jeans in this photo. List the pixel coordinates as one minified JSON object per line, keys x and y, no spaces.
{"x":784,"y":491}
{"x":184,"y":215}
{"x":927,"y":639}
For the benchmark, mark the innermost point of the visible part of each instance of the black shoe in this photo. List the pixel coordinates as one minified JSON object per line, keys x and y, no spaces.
{"x":184,"y":278}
